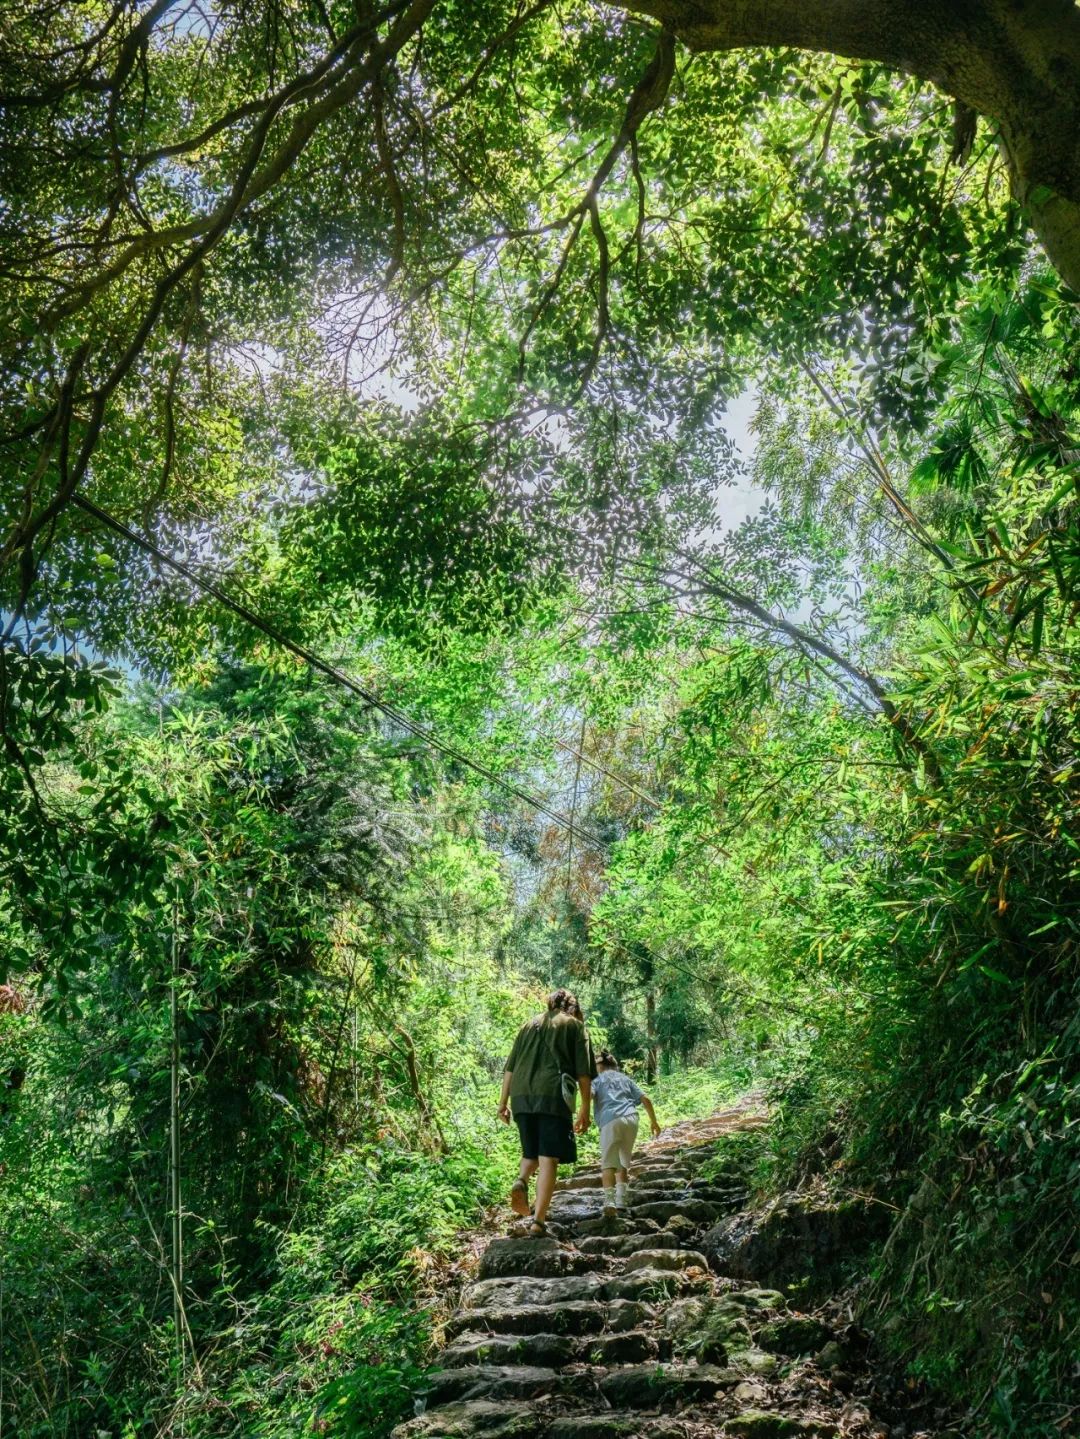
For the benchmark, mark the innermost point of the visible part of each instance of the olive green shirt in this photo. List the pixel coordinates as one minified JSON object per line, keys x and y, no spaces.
{"x":545,"y":1049}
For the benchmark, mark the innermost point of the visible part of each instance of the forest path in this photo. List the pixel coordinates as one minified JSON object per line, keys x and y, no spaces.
{"x":617,"y":1329}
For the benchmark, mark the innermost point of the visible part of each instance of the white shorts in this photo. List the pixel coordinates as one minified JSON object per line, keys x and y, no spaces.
{"x":617,"y":1142}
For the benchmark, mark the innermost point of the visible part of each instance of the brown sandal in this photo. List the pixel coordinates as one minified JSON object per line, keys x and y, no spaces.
{"x":537,"y":1230}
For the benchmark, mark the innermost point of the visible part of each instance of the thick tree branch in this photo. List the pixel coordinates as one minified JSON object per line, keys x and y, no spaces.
{"x":1016,"y":62}
{"x":711,"y":584}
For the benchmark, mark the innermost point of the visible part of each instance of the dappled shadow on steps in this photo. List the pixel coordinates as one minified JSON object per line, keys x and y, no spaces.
{"x":617,"y":1328}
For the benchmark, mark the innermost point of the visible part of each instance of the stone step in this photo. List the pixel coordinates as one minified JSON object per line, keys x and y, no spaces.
{"x":636,"y":1191}
{"x":637,"y":1196}
{"x":508,"y":1420}
{"x":576,"y":1317}
{"x":542,"y":1258}
{"x":638,"y":1175}
{"x":719,"y":1194}
{"x":494,"y":1381}
{"x":618,"y":1246}
{"x":665,"y":1183}
{"x":589,"y":1203}
{"x":768,"y":1424}
{"x":677,"y":1183}
{"x":553,"y":1351}
{"x":655,"y":1174}
{"x":756,"y":1299}
{"x":492,"y":1420}
{"x":615,"y":1426}
{"x":639,"y":1169}
{"x":635,"y":1346}
{"x":649,"y":1284}
{"x":657,"y":1386}
{"x":662,"y":1210}
{"x":548,"y":1351}
{"x":511,"y":1293}
{"x":666,"y":1259}
{"x":575,"y":1206}
{"x":641,"y":1284}
{"x":576,"y":1228}
{"x":649,"y":1385}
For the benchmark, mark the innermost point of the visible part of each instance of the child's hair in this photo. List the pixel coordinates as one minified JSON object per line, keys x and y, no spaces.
{"x":606,"y":1058}
{"x":561,"y":1001}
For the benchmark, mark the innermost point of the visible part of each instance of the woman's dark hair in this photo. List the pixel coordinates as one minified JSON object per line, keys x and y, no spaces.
{"x":561,"y":1000}
{"x":606,"y":1057}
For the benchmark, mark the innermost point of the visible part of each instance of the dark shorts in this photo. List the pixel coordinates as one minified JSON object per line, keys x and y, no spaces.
{"x":548,"y":1136}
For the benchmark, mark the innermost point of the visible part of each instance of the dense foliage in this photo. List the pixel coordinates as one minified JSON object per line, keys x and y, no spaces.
{"x":382,"y":644}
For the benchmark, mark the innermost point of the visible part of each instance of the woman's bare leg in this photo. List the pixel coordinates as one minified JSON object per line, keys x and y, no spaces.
{"x":545,"y":1187}
{"x":519,"y":1193}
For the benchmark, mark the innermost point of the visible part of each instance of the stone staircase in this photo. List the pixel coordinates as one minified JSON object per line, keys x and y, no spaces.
{"x":616,"y":1329}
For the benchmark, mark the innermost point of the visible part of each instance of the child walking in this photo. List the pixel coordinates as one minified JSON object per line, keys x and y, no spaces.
{"x":616,"y":1098}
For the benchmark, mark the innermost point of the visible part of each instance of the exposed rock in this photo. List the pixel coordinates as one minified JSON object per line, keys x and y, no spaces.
{"x":582,"y":1180}
{"x":796,"y":1334}
{"x":753,"y":1361}
{"x":580,"y":1207}
{"x":765,"y":1424}
{"x":624,"y":1314}
{"x":621,"y":1245}
{"x":633,"y":1347}
{"x":761,"y":1424}
{"x":831,"y":1355}
{"x":645,"y":1284}
{"x":514,"y":1293}
{"x":712,"y":1331}
{"x":789,"y":1236}
{"x":665,"y":1209}
{"x":683,"y":1313}
{"x":614,"y":1426}
{"x":756,"y":1299}
{"x":614,"y":1225}
{"x":580,"y":1317}
{"x":748,"y":1394}
{"x":721,"y":1195}
{"x":665,"y":1259}
{"x":545,"y":1350}
{"x":651,"y":1386}
{"x":544,"y":1258}
{"x":502,"y":1381}
{"x":462,"y":1421}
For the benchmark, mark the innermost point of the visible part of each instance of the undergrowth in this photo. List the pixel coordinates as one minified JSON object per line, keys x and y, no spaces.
{"x":973,"y":1140}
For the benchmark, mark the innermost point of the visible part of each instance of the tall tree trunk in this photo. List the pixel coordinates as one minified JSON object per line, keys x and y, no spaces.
{"x":1014,"y":62}
{"x":176,"y":1218}
{"x":652,"y":1049}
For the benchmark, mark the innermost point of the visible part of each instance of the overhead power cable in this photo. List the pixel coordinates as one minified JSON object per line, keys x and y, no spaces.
{"x":331,"y":672}
{"x":615,"y":779}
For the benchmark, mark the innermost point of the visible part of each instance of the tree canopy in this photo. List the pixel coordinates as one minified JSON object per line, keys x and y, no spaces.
{"x":397,"y":620}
